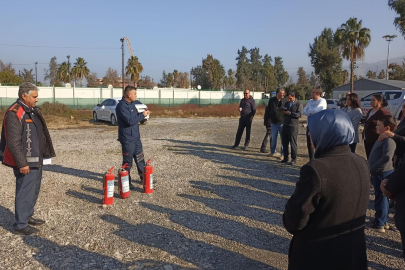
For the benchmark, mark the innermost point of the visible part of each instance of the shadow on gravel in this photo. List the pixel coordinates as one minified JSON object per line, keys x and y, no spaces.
{"x":264,"y":185}
{"x":198,"y":253}
{"x":7,"y":218}
{"x":242,"y":196}
{"x":384,"y":245}
{"x":251,"y":164}
{"x":74,"y":172}
{"x":373,"y":265}
{"x":228,"y":229}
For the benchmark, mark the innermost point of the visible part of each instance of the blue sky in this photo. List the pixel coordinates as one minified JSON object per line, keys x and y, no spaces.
{"x":168,"y":35}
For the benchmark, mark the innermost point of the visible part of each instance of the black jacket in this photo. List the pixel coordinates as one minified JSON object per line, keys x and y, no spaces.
{"x":248,"y":107}
{"x":272,"y":114}
{"x":326,"y":214}
{"x":296,"y":112}
{"x":396,"y":186}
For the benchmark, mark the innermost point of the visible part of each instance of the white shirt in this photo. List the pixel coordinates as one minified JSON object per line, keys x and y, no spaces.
{"x":314,"y":106}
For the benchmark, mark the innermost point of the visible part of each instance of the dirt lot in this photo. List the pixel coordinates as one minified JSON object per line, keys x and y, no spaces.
{"x":212,"y":208}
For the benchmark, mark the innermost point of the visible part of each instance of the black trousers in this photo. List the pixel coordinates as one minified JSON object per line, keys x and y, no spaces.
{"x":309,"y":146}
{"x":267,"y":137}
{"x":26,"y":195}
{"x":244,"y":122}
{"x":289,"y":137}
{"x":368,"y":146}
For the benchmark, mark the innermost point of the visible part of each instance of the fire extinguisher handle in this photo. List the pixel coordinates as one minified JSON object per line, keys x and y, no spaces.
{"x":148,"y":162}
{"x":125,"y":166}
{"x":110,"y":170}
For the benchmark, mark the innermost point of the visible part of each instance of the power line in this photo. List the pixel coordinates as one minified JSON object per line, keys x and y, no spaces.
{"x":57,"y":47}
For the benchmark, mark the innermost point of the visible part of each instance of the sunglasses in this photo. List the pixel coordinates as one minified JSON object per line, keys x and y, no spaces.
{"x":246,"y":93}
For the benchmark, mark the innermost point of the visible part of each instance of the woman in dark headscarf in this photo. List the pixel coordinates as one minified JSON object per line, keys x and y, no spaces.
{"x":326,"y":214}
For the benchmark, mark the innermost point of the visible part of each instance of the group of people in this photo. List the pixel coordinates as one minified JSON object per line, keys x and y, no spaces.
{"x":327,"y":212}
{"x":281,"y":117}
{"x":26,"y":146}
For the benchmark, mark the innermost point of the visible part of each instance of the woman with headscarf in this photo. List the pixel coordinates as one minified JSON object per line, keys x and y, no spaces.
{"x":370,"y":134}
{"x":352,"y":108}
{"x":326,"y":214}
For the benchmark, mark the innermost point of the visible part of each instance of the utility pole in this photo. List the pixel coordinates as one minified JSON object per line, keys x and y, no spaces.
{"x":122,"y":47}
{"x":68,"y":57}
{"x":36,"y":82}
{"x":389,"y":39}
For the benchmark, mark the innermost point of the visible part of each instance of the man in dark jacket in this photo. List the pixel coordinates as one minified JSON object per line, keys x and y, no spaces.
{"x":274,"y":119}
{"x":292,"y":111}
{"x":25,"y":143}
{"x":247,"y":108}
{"x":128,"y":131}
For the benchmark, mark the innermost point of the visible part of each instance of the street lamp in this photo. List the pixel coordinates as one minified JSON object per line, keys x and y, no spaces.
{"x":389,"y":39}
{"x":36,"y":83}
{"x":68,"y":57}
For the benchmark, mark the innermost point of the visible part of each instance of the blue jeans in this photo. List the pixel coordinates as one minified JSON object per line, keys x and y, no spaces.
{"x":133,"y":151}
{"x":381,"y":204}
{"x":275,"y":130}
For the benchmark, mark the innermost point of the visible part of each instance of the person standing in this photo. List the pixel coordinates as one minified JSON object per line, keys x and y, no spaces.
{"x":276,"y":118}
{"x":25,"y":143}
{"x":380,"y":162}
{"x":128,"y":132}
{"x":352,"y":108}
{"x":292,"y":112}
{"x":267,"y":124}
{"x":314,"y":105}
{"x":247,"y":108}
{"x":370,"y":134}
{"x":326,"y":213}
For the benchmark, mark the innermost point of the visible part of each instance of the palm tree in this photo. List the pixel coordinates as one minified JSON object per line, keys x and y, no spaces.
{"x":80,"y":70}
{"x":63,"y":72}
{"x":352,"y":40}
{"x":134,"y":68}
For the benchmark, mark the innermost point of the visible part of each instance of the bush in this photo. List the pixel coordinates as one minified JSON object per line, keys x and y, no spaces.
{"x":57,"y":109}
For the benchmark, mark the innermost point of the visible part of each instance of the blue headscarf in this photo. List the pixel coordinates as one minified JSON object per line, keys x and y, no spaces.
{"x":329,"y":128}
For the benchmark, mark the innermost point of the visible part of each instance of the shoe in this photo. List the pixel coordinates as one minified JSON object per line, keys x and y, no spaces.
{"x":375,"y":227}
{"x":26,"y":231}
{"x":273,"y":155}
{"x":233,"y":146}
{"x":281,"y":157}
{"x":246,"y":147}
{"x":131,"y":186}
{"x":35,"y":221}
{"x":390,"y":227}
{"x":263,"y":151}
{"x":284,"y":161}
{"x":292,"y":162}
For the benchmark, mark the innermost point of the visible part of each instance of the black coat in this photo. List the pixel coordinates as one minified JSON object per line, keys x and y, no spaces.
{"x":396,"y":186}
{"x":326,"y":214}
{"x":272,"y":114}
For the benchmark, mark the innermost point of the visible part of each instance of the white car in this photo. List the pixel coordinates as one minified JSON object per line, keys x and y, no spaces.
{"x":395,"y":99}
{"x":106,"y":111}
{"x":332,"y":104}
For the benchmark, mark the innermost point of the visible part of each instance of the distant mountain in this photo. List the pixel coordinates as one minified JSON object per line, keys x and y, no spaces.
{"x":363,"y":68}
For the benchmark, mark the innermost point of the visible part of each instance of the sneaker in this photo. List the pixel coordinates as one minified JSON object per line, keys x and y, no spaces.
{"x":26,"y":231}
{"x":284,"y":161}
{"x":263,"y":151}
{"x":273,"y":155}
{"x":292,"y":162}
{"x":375,"y":227}
{"x":281,"y":157}
{"x":233,"y":146}
{"x":246,"y":147}
{"x":35,"y":221}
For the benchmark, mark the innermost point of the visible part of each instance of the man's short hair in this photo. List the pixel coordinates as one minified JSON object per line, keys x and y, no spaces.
{"x":291,"y":94}
{"x":279,"y":90}
{"x":318,"y":89}
{"x":26,"y":88}
{"x":128,"y":89}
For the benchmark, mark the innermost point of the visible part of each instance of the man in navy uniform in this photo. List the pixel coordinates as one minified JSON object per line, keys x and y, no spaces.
{"x":128,"y":131}
{"x":247,"y":108}
{"x":25,"y":143}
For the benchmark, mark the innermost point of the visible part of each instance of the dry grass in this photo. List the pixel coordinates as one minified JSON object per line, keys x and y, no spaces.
{"x":59,"y":116}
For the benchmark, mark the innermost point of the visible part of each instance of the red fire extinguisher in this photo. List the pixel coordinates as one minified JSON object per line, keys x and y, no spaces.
{"x":108,"y":187}
{"x":123,"y":182}
{"x":148,"y":178}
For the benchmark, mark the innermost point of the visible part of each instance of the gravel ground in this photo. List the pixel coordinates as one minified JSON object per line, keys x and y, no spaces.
{"x":212,"y":208}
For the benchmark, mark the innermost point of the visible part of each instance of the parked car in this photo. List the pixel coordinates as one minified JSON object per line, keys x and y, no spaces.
{"x":395,"y":99}
{"x":106,"y":111}
{"x":331,"y":104}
